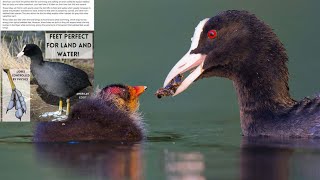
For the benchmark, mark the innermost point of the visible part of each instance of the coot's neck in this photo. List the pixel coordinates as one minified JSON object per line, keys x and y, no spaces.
{"x":262,"y":87}
{"x":36,"y":60}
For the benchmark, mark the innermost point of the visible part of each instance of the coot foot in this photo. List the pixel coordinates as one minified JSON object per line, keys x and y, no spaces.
{"x":16,"y":100}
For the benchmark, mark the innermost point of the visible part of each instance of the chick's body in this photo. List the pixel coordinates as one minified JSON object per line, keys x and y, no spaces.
{"x":108,"y":116}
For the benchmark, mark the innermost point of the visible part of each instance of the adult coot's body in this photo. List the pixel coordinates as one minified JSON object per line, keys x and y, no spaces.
{"x":58,"y":79}
{"x":239,"y":46}
{"x":111,"y":115}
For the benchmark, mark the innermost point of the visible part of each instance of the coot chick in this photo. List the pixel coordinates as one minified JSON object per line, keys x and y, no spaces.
{"x":238,"y":46}
{"x":111,"y":115}
{"x":58,"y":79}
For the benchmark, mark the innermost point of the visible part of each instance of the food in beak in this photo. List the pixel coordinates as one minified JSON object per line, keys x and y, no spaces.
{"x":190,"y":62}
{"x":171,"y":88}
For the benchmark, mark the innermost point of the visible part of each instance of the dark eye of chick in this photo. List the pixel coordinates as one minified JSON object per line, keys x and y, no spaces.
{"x":125,"y":94}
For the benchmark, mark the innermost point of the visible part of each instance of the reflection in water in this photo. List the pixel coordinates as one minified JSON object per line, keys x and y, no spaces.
{"x":261,"y":162}
{"x":98,"y":160}
{"x":181,"y":165}
{"x":267,"y":158}
{"x":260,"y":158}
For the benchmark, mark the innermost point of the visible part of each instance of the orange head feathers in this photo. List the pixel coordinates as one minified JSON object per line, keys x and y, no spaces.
{"x":124,"y":97}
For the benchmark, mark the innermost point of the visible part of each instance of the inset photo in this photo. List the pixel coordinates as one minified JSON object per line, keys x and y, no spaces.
{"x":50,"y":71}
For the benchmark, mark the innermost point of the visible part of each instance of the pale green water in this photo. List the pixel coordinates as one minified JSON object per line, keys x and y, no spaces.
{"x":196,"y":134}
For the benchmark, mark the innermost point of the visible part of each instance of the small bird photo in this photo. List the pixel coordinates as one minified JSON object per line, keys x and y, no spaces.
{"x":47,"y":88}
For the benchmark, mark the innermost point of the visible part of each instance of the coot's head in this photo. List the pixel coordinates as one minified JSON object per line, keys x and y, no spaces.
{"x":226,"y":45}
{"x":125,"y":97}
{"x":30,"y":50}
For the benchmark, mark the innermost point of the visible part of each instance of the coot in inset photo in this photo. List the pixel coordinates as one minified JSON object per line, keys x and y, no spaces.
{"x":17,"y":101}
{"x":57,"y":79}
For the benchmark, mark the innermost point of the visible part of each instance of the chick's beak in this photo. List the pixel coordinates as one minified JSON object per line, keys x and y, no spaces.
{"x":139,"y":90}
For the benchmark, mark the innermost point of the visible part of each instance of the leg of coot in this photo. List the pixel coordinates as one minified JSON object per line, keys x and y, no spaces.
{"x":16,"y":100}
{"x":60,"y":105}
{"x":10,"y":78}
{"x":68,"y":106}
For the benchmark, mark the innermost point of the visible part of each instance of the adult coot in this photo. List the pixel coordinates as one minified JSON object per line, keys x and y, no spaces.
{"x":58,"y":79}
{"x":238,"y":46}
{"x":111,"y":115}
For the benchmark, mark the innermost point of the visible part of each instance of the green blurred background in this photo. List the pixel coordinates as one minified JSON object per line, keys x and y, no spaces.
{"x":138,"y":42}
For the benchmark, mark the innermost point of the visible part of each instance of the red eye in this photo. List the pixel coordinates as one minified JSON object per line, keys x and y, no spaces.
{"x":212,"y":34}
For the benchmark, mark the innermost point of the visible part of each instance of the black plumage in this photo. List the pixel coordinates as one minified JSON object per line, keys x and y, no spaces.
{"x":59,"y":79}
